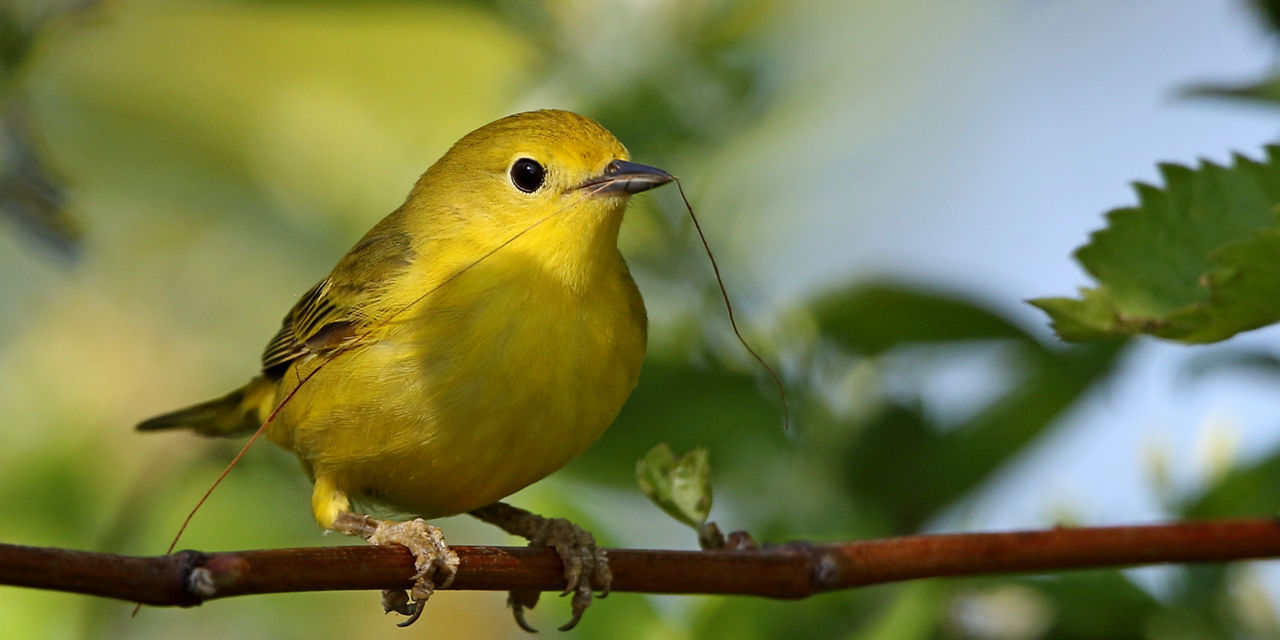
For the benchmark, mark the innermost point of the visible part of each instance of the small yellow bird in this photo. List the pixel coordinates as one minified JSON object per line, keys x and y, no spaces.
{"x":474,"y":341}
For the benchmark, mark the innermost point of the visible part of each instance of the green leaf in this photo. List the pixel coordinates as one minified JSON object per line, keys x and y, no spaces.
{"x":873,"y":318}
{"x":1196,"y":261}
{"x":680,"y":486}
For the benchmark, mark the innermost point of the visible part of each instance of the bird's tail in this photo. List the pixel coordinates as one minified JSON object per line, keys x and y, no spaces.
{"x":240,"y":412}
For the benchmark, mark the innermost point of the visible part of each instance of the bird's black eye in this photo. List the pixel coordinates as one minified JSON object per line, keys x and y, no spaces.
{"x":527,"y":175}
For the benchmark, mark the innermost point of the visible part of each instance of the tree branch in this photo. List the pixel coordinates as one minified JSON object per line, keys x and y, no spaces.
{"x":793,"y":570}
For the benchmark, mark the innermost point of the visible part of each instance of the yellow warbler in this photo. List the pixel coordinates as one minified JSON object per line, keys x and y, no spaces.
{"x":475,"y":340}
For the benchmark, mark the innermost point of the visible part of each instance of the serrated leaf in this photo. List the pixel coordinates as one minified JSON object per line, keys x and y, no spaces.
{"x":1196,"y":261}
{"x":681,"y":486}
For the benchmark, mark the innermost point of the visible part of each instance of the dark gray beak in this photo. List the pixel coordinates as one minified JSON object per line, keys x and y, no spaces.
{"x":630,"y":178}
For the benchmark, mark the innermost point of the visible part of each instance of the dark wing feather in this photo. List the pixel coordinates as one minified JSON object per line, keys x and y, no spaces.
{"x":326,"y":317}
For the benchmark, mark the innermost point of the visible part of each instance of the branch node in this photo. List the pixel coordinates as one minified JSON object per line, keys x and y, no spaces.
{"x":197,"y":580}
{"x":201,"y":584}
{"x":826,"y":572}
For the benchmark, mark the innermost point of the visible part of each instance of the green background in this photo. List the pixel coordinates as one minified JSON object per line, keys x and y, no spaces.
{"x":218,"y":157}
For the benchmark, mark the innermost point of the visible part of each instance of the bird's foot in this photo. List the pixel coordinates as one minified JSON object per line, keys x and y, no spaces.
{"x":430,"y":555}
{"x":586,"y":568}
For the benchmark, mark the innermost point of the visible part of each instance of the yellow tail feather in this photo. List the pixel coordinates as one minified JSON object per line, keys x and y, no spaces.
{"x":238,"y":413}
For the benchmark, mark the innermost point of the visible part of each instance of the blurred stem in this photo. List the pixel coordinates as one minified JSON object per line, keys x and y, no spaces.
{"x":794,"y":570}
{"x":30,"y":193}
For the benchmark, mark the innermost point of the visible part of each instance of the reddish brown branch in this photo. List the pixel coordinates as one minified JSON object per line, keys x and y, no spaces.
{"x":793,"y":570}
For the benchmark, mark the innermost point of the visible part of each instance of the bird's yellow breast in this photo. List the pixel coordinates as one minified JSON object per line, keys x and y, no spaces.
{"x":492,"y":380}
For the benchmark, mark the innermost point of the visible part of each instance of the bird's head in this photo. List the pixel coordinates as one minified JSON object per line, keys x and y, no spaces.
{"x":513,"y":172}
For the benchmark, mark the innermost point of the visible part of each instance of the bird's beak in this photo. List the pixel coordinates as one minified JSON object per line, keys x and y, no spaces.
{"x":622,"y":177}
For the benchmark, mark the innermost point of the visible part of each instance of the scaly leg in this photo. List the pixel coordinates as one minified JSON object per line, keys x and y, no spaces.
{"x":332,"y":509}
{"x":585,"y":566}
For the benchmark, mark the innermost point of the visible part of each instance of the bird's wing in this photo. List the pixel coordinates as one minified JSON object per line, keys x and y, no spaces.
{"x":332,"y":313}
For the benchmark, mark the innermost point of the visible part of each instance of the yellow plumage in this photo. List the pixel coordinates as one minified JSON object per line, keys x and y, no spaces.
{"x":474,"y":341}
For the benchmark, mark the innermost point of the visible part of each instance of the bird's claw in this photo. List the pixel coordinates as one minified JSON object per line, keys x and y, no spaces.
{"x":586,"y":568}
{"x":519,"y":600}
{"x":430,"y":555}
{"x":398,"y":601}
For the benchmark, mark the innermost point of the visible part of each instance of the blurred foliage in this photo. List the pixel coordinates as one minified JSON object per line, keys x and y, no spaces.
{"x":1264,"y":93}
{"x":32,"y":195}
{"x":1234,"y":360}
{"x":29,"y":194}
{"x":220,"y":156}
{"x":1268,"y":11}
{"x":875,"y":320}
